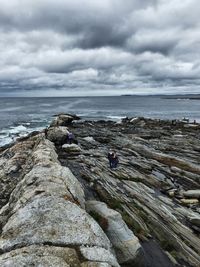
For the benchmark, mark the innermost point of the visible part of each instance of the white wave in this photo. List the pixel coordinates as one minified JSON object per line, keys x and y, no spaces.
{"x":17,"y":129}
{"x":115,"y":118}
{"x":5,"y":141}
{"x":82,"y":114}
{"x":38,"y":120}
{"x":10,"y":109}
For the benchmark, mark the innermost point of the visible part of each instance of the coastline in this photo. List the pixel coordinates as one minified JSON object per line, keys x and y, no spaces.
{"x":154,"y":188}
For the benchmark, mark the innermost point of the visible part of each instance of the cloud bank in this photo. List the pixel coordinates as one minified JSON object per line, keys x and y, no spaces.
{"x":102,"y":47}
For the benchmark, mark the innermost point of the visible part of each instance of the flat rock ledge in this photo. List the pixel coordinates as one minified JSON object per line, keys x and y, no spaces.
{"x":44,"y":222}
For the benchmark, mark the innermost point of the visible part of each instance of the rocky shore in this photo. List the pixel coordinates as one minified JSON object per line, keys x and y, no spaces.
{"x":62,"y":205}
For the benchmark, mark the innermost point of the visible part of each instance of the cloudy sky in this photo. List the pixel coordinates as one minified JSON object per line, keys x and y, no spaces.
{"x":99,"y":47}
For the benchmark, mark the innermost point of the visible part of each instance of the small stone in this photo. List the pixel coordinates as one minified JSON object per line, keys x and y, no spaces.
{"x":189,"y":201}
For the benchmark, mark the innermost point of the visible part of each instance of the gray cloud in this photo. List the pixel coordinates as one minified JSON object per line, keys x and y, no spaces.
{"x":99,"y":47}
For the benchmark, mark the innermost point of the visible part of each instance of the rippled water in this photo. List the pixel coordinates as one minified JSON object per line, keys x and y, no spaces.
{"x":19,"y":116}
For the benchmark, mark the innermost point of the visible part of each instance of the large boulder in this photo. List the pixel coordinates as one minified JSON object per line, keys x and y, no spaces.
{"x":192,"y":193}
{"x":71,"y":148}
{"x":51,"y":220}
{"x":64,"y":120}
{"x":57,"y":135}
{"x":125,"y":243}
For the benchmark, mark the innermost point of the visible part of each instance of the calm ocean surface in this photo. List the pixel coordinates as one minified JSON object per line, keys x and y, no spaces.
{"x":19,"y":116}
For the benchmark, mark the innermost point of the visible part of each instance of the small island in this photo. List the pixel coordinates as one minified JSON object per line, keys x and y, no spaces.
{"x":62,"y":205}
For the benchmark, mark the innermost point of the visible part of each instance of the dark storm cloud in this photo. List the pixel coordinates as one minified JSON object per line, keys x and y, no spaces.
{"x":99,"y":46}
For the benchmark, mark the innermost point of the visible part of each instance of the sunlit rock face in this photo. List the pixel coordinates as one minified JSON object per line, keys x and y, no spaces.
{"x":62,"y":204}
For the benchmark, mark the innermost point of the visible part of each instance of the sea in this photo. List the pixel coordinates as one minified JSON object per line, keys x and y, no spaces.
{"x":21,"y":116}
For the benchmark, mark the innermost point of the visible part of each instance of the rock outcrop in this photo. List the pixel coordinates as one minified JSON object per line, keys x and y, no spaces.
{"x":61,"y":204}
{"x":45,"y":223}
{"x":125,"y":243}
{"x":64,"y":120}
{"x":57,"y":134}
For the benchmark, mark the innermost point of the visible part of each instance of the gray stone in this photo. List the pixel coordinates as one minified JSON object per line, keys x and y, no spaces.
{"x":71,"y":148}
{"x":159,"y":175}
{"x":126,"y":244}
{"x":47,"y":207}
{"x":100,"y":255}
{"x":51,"y":220}
{"x":192,"y":193}
{"x":40,"y":256}
{"x":57,"y":135}
{"x":64,"y":120}
{"x":195,"y":220}
{"x":89,"y":139}
{"x":47,"y":200}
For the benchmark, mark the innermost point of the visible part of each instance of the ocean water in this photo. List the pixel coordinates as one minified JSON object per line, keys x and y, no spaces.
{"x":19,"y":116}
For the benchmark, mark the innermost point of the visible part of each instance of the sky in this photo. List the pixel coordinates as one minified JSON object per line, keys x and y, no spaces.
{"x":99,"y":47}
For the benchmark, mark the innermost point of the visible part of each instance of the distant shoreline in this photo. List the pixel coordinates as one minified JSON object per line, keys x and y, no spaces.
{"x":164,"y":96}
{"x":183,"y":98}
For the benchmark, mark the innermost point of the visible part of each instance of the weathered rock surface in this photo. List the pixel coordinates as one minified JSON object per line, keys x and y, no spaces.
{"x":64,"y":120}
{"x":152,"y":198}
{"x":192,"y":193}
{"x":41,"y":256}
{"x":58,"y":135}
{"x":71,"y":148}
{"x":151,"y":188}
{"x":47,"y":208}
{"x":125,"y":243}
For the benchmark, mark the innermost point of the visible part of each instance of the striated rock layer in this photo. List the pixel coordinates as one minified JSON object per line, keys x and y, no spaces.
{"x":61,"y":204}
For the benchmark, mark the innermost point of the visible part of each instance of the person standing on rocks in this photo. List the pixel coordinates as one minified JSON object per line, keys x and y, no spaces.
{"x":70,"y":138}
{"x":110,"y":158}
{"x":113,"y":159}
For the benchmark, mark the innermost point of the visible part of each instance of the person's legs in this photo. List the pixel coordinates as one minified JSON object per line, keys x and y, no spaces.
{"x":111,"y":165}
{"x":115,"y":163}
